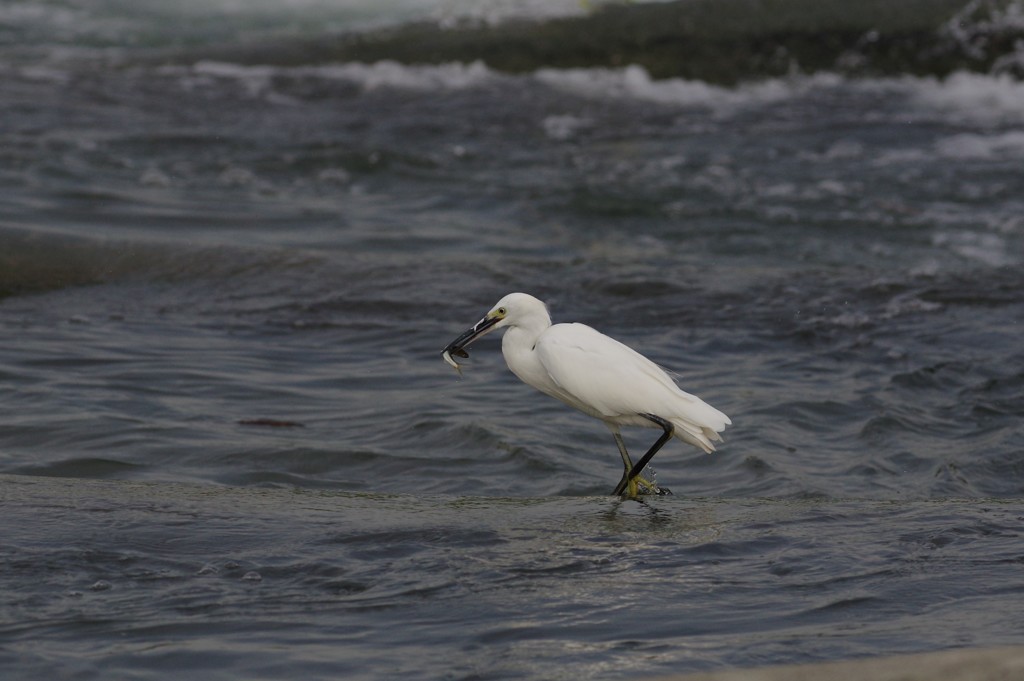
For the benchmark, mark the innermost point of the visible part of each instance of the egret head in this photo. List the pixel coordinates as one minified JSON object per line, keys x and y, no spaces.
{"x":515,"y":309}
{"x":518,"y":309}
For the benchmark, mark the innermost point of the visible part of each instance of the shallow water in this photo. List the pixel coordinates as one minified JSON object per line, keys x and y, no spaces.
{"x":142,"y":580}
{"x":225,"y":289}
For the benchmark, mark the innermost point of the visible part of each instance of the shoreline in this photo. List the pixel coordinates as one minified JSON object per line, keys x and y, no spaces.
{"x":961,"y":664}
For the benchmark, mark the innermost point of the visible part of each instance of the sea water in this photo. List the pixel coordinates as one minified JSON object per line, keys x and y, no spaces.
{"x":229,"y":445}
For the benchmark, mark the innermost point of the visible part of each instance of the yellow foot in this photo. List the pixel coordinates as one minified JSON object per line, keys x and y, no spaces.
{"x":642,"y":486}
{"x":645,"y":486}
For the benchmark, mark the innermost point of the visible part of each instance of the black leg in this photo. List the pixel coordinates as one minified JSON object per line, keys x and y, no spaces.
{"x":646,"y":458}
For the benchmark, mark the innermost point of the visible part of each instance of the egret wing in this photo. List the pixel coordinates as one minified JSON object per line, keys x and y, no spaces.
{"x":604,"y":376}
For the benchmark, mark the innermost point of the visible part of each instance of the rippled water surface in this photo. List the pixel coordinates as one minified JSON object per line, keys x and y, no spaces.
{"x":143,"y":580}
{"x":228,"y":443}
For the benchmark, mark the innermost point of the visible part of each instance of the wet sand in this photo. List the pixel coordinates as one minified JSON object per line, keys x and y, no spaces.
{"x":968,"y":664}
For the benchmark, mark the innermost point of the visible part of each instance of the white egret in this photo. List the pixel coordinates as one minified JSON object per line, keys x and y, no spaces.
{"x":597,"y":375}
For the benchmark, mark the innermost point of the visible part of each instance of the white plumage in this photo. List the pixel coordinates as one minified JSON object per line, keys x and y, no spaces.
{"x":597,"y":375}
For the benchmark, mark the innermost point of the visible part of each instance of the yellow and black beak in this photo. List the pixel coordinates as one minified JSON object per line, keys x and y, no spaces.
{"x":456,"y":347}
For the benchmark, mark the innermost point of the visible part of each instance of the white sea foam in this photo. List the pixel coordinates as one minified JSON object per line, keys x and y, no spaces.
{"x":962,"y":97}
{"x":634,"y":82}
{"x":378,"y":75}
{"x":390,"y":74}
{"x":986,"y":101}
{"x":970,"y":97}
{"x":493,"y":12}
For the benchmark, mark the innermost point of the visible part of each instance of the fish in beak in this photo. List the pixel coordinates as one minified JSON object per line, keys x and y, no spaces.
{"x":456,"y":347}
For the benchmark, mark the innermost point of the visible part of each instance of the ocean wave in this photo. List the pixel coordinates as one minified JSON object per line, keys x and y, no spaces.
{"x":989,"y":100}
{"x":981,"y":98}
{"x":258,"y":79}
{"x":635,"y":83}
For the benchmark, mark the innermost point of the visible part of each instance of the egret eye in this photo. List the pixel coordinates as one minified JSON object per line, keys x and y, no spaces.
{"x":501,"y":311}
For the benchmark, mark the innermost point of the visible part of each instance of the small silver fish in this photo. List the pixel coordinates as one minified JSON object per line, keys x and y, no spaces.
{"x":446,"y":355}
{"x":457,"y":345}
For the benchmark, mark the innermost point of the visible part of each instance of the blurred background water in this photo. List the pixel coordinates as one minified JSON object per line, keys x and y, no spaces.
{"x":230,"y":257}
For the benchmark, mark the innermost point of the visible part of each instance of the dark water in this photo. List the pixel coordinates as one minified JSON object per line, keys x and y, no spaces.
{"x":231,"y":448}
